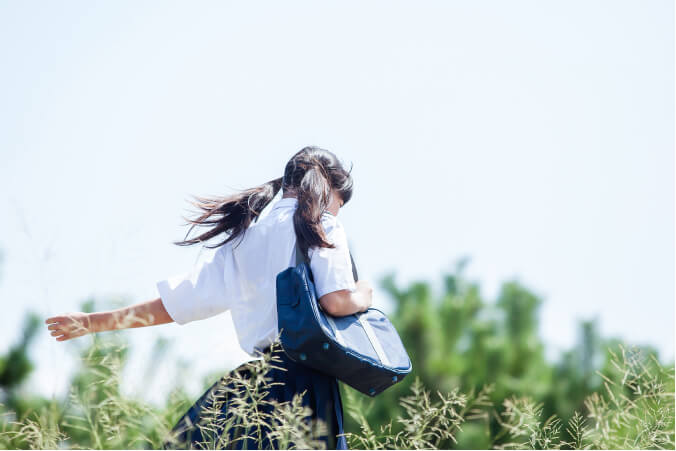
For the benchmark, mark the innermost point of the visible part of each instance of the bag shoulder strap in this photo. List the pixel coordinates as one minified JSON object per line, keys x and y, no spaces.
{"x":300,"y":257}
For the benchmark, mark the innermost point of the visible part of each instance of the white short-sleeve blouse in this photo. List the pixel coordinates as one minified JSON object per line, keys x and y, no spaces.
{"x":241,"y":276}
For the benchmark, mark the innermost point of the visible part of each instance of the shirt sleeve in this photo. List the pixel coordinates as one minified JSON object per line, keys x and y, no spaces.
{"x":332,"y":268}
{"x":199,"y":293}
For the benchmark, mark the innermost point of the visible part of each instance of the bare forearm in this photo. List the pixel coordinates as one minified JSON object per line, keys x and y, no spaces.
{"x":149,"y":313}
{"x":354,"y":303}
{"x":76,"y":324}
{"x":344,"y":302}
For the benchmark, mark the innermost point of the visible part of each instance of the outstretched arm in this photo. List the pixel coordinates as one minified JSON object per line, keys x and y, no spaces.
{"x":71,"y":325}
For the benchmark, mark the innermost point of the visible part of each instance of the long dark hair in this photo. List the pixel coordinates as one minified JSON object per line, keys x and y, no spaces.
{"x":310,"y":175}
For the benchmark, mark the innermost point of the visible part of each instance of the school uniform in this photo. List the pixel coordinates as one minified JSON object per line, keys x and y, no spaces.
{"x":241,"y":278}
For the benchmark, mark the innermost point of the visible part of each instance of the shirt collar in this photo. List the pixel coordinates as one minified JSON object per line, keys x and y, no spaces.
{"x":286,"y":202}
{"x":293,"y":201}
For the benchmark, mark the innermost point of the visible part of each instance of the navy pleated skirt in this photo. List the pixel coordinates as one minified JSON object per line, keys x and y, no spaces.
{"x":321,"y":394}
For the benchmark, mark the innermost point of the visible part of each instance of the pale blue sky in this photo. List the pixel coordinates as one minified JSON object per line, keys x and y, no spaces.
{"x":535,"y":137}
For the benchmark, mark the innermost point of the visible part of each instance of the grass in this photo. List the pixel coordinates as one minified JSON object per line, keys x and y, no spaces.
{"x":634,"y":412}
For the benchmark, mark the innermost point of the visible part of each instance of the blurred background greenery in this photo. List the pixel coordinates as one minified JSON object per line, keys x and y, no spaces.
{"x":455,"y":340}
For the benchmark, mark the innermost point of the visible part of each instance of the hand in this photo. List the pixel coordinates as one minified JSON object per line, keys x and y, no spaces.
{"x":364,"y":287}
{"x":69,"y":326}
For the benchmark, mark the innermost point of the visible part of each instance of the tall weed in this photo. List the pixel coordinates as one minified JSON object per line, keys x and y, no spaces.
{"x":635,"y":411}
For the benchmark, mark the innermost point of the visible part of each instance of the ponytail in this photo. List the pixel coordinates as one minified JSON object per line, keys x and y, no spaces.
{"x":314,"y":194}
{"x":231,"y":214}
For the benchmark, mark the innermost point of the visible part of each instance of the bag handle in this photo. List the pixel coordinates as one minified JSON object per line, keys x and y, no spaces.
{"x":300,"y":257}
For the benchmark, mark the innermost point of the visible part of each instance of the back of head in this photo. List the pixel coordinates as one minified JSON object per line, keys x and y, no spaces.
{"x":311,"y":175}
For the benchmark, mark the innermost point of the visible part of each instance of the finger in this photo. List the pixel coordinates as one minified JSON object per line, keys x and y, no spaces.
{"x":56,"y":333}
{"x":54,"y":327}
{"x":54,"y":319}
{"x":62,"y":338}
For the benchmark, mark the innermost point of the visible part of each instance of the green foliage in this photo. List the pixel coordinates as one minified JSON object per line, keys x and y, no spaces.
{"x":458,"y":339}
{"x":16,"y":366}
{"x":644,"y":419}
{"x":97,"y":415}
{"x":479,"y":381}
{"x":635,"y":411}
{"x":426,"y":421}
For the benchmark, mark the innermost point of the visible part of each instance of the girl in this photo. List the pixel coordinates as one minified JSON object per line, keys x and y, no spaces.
{"x":242,"y":278}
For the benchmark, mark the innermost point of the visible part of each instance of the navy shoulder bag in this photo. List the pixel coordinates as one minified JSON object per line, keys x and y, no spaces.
{"x":363,"y":349}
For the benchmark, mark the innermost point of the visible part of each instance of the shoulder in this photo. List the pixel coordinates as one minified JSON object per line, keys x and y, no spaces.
{"x":334,"y":230}
{"x":220,"y":252}
{"x":329,"y":219}
{"x":332,"y":224}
